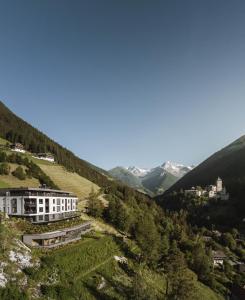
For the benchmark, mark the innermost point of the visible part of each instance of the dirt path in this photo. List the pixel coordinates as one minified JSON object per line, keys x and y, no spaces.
{"x":96,"y":267}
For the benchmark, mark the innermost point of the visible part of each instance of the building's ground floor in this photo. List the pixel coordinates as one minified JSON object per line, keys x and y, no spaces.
{"x":57,"y":238}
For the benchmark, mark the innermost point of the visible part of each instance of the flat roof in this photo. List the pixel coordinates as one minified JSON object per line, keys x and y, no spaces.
{"x":36,"y":190}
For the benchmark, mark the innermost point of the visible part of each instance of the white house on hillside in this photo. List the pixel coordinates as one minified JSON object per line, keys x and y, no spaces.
{"x":45,"y":156}
{"x":17,"y":147}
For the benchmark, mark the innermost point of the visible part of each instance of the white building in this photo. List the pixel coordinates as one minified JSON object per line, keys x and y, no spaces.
{"x":17,"y":147}
{"x":45,"y":156}
{"x":218,"y":258}
{"x":194,"y":191}
{"x":212,"y":191}
{"x":39,"y":205}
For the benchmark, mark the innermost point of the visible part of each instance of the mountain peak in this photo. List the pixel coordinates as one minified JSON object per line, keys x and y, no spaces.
{"x":175,"y":169}
{"x":153,"y":180}
{"x":138,"y":172}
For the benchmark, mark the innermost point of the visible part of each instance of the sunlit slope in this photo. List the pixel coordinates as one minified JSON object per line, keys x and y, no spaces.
{"x":68,"y":181}
{"x":60,"y":176}
{"x":12,"y":181}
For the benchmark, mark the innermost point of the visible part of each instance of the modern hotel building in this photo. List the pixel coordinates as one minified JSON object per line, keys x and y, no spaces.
{"x":39,"y":205}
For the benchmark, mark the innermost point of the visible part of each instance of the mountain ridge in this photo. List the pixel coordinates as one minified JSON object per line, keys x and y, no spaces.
{"x":227,"y":163}
{"x":151,"y":180}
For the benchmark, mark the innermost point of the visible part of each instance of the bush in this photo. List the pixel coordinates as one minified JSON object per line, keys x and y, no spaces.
{"x":19,"y":173}
{"x":13,"y":293}
{"x":4,"y":169}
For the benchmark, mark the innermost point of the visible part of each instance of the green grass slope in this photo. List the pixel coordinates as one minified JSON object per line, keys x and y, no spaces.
{"x":14,"y":129}
{"x":68,"y":181}
{"x":88,"y":270}
{"x":12,"y":181}
{"x":65,"y":180}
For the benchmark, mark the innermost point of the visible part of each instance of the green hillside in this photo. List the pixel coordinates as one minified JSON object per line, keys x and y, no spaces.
{"x":228,"y":163}
{"x":65,"y":180}
{"x":69,"y":181}
{"x":12,"y":181}
{"x":14,"y":129}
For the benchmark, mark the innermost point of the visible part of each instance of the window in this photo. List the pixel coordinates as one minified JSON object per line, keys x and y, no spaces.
{"x":63,"y":208}
{"x":14,"y":205}
{"x":40,"y":209}
{"x":62,"y":201}
{"x":58,"y":208}
{"x":40,"y":201}
{"x":54,"y":208}
{"x":40,"y":218}
{"x":58,"y":201}
{"x":53,"y":201}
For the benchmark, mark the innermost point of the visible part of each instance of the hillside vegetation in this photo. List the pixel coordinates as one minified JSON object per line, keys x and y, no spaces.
{"x":14,"y":129}
{"x":165,"y":259}
{"x":228,"y":163}
{"x":69,"y":181}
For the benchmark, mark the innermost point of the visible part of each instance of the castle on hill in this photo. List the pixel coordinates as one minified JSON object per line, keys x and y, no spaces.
{"x":217,"y":191}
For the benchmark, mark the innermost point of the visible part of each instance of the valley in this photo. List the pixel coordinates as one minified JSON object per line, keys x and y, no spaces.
{"x":139,"y":247}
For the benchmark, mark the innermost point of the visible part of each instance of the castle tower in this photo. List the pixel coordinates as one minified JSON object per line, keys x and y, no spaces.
{"x":219,"y":185}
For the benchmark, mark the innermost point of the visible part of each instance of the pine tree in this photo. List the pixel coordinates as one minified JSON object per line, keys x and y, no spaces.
{"x":95,"y":206}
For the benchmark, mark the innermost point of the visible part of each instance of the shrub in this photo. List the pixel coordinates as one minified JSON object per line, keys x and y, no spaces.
{"x":19,"y":173}
{"x":4,"y":169}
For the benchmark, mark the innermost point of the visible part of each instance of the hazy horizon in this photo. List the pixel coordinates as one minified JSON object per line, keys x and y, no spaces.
{"x":130,"y":82}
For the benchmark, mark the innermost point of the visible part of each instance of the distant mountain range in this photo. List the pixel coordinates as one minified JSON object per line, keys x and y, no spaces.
{"x":153,"y":181}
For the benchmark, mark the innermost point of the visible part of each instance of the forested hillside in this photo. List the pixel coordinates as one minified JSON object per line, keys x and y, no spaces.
{"x":228,"y":163}
{"x":14,"y":129}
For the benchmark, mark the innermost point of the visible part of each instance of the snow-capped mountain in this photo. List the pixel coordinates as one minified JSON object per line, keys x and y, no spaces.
{"x":176,"y":169}
{"x":138,"y":172}
{"x":152,"y":180}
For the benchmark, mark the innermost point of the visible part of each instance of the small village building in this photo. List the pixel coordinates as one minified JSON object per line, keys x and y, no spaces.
{"x":17,"y":147}
{"x":45,"y":156}
{"x":218,"y":258}
{"x":212,"y":191}
{"x":38,"y":205}
{"x":194,"y":191}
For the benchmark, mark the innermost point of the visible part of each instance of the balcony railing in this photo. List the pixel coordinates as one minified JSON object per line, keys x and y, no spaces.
{"x":54,"y":217}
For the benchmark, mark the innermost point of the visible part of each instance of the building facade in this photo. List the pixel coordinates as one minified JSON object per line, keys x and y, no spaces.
{"x":39,"y":205}
{"x":58,"y":237}
{"x":17,"y":147}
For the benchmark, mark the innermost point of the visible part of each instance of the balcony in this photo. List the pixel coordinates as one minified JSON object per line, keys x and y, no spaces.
{"x":46,"y":218}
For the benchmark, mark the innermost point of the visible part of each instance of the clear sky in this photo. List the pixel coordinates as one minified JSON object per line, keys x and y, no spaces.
{"x":127,"y":82}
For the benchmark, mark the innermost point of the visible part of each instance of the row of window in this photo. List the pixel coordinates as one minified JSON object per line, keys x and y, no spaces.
{"x":40,"y":201}
{"x":58,"y":208}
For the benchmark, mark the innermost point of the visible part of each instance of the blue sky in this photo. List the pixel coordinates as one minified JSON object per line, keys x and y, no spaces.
{"x":127,"y":82}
